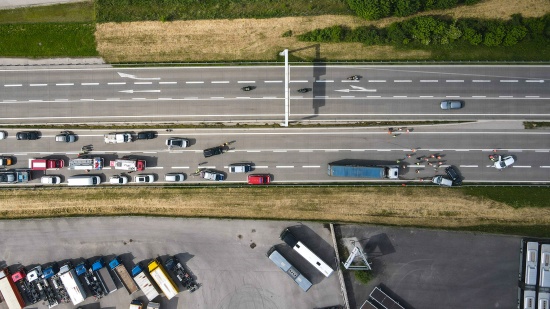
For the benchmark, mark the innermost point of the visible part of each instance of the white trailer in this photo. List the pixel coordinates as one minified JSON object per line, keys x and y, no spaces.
{"x":144,"y":283}
{"x":128,"y":164}
{"x":72,"y":284}
{"x":95,"y":163}
{"x":118,"y":138}
{"x":9,"y":291}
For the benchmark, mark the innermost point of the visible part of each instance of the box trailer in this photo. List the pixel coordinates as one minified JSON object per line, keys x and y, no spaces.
{"x":98,"y":267}
{"x":122,"y":273}
{"x":9,"y":291}
{"x":72,"y":284}
{"x":144,"y":283}
{"x":159,"y":274}
{"x":357,"y":171}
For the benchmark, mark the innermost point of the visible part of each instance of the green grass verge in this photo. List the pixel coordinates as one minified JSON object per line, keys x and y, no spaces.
{"x":47,"y":40}
{"x":536,"y":125}
{"x":516,"y":197}
{"x":69,"y":12}
{"x":167,"y":10}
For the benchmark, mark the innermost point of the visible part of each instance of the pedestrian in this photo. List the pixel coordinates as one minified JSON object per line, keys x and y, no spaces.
{"x":421,"y":179}
{"x":409,"y":155}
{"x":417,"y":163}
{"x":430,"y":163}
{"x":440,"y":162}
{"x":408,"y":131}
{"x":438,"y":157}
{"x":400,"y":129}
{"x":417,"y":171}
{"x":426,"y":159}
{"x":413,"y":150}
{"x":398,"y":161}
{"x":432,"y":156}
{"x":404,"y":166}
{"x":395,"y":135}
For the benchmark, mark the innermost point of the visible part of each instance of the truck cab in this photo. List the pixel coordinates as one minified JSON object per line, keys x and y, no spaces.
{"x":118,"y":138}
{"x":240,"y":168}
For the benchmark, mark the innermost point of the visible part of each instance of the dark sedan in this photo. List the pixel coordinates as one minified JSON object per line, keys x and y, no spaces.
{"x":147,"y":135}
{"x":27,"y":135}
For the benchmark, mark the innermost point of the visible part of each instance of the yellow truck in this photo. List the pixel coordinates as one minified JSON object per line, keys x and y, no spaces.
{"x":161,"y":277}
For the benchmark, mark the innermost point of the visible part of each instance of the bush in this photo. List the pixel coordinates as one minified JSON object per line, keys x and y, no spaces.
{"x":371,"y":9}
{"x":287,"y":34}
{"x":363,"y":276}
{"x":406,"y":7}
{"x":514,"y":35}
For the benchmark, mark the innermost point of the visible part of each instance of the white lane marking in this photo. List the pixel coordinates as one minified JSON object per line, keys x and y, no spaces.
{"x":311,"y":166}
{"x":298,"y":81}
{"x":468,"y":166}
{"x":190,"y":98}
{"x":9,"y":100}
{"x":284,"y":166}
{"x":246,"y":82}
{"x":113,"y":99}
{"x":534,"y":81}
{"x":374,"y":96}
{"x":429,"y":81}
{"x":139,"y":99}
{"x":331,"y":150}
{"x":195,"y":82}
{"x":155,"y":167}
{"x":478,"y":96}
{"x":305,"y":150}
{"x":36,"y":101}
{"x":452,"y":96}
{"x":349,"y":81}
{"x":117,"y":83}
{"x":402,"y":81}
{"x":376,"y":81}
{"x":436,"y":150}
{"x":347,"y":96}
{"x":243,"y":97}
{"x":508,"y":80}
{"x":279,"y":150}
{"x":165,"y":99}
{"x":269,"y":97}
{"x":13,"y":85}
{"x":521,"y":166}
{"x":106,"y":168}
{"x":515,"y":150}
{"x":545,"y":166}
{"x":143,"y":83}
{"x":87,"y":99}
{"x":455,"y":81}
{"x":358,"y":150}
{"x":542,"y":150}
{"x":505,"y":96}
{"x":61,"y":100}
{"x":532,"y":96}
{"x":399,"y":96}
{"x":426,"y":96}
{"x":38,"y":85}
{"x":180,"y":166}
{"x":217,"y":97}
{"x":261,"y":166}
{"x":89,"y":84}
{"x":273,"y":81}
{"x":253,"y":151}
{"x":383,"y":149}
{"x":220,"y":82}
{"x":324,"y":81}
{"x":149,"y":152}
{"x":481,"y":81}
{"x":167,"y":83}
{"x":462,"y":150}
{"x":321,"y":96}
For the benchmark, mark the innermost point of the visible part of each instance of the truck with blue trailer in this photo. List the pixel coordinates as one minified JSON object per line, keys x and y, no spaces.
{"x":122,"y":273}
{"x":366,"y":171}
{"x":102,"y":272}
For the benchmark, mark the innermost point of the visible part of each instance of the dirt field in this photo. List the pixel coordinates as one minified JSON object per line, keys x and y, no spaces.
{"x":432,"y":207}
{"x":261,"y":39}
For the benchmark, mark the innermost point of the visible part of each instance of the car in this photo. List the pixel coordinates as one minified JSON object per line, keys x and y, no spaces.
{"x":5,"y":160}
{"x":453,"y":174}
{"x":442,"y":181}
{"x":504,"y":162}
{"x":3,"y":134}
{"x":451,"y":104}
{"x":240,"y":168}
{"x":208,"y":152}
{"x":8,"y":177}
{"x":212,"y":175}
{"x":144,"y":178}
{"x":177,"y":142}
{"x":27,"y":135}
{"x":174,"y":177}
{"x":118,"y":180}
{"x":147,"y":135}
{"x":65,"y":137}
{"x":259,"y":179}
{"x":50,"y":180}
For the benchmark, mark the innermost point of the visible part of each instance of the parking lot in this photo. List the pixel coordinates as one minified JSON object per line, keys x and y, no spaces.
{"x":227,"y":257}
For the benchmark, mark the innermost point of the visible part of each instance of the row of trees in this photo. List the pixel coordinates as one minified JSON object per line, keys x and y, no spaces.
{"x":376,"y":9}
{"x":438,"y":30}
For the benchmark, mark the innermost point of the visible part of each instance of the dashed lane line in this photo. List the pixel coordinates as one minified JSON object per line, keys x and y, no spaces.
{"x":376,"y":80}
{"x":402,"y":81}
{"x":468,"y":165}
{"x":324,"y":81}
{"x":246,"y":82}
{"x":284,"y":166}
{"x":117,"y":83}
{"x":167,"y":83}
{"x":220,"y":82}
{"x":143,"y":83}
{"x":429,"y":80}
{"x":311,"y":166}
{"x":273,"y":81}
{"x":481,"y":81}
{"x":508,"y":80}
{"x":454,"y":80}
{"x":13,"y":85}
{"x":521,"y":166}
{"x":195,"y":82}
{"x":184,"y":167}
{"x":38,"y":85}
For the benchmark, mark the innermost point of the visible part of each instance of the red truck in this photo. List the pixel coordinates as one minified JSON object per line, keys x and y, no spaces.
{"x":45,"y":164}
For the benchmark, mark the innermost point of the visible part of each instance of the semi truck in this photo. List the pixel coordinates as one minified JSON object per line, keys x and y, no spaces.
{"x":36,"y":277}
{"x":31,"y":296}
{"x":95,"y":163}
{"x":158,"y":273}
{"x":144,"y":283}
{"x":92,"y":280}
{"x":128,"y":164}
{"x":72,"y":284}
{"x":45,"y":164}
{"x":358,"y":171}
{"x":102,"y":272}
{"x":9,"y":291}
{"x":15,"y":176}
{"x":174,"y":265}
{"x":122,"y":273}
{"x":117,"y":138}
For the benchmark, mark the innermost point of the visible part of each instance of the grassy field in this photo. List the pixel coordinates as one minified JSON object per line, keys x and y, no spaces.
{"x":483,"y":209}
{"x":47,"y":40}
{"x":69,"y":12}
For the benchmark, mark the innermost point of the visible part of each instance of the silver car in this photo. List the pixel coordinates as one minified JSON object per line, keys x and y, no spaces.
{"x":451,"y":104}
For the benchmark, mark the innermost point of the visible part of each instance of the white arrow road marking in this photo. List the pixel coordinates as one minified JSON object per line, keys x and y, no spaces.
{"x":357,"y":88}
{"x":134,"y":77}
{"x":132,"y":91}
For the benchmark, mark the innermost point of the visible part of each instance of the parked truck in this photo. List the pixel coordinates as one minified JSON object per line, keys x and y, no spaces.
{"x":72,"y":284}
{"x":9,"y":291}
{"x":36,"y":277}
{"x":30,"y":294}
{"x":174,"y":265}
{"x":129,"y":164}
{"x":98,"y":267}
{"x":90,"y":163}
{"x":92,"y":280}
{"x":45,"y":164}
{"x":358,"y":171}
{"x":164,"y":281}
{"x":122,"y":273}
{"x":15,"y":176}
{"x":144,"y":283}
{"x":117,"y":138}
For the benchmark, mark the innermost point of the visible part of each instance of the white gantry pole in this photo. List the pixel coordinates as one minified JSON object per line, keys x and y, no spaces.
{"x":287,"y":91}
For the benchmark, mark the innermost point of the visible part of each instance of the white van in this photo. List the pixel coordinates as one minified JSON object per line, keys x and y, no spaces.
{"x":84,"y":180}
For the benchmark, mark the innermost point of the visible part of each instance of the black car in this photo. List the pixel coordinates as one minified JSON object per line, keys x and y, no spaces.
{"x":453,"y":174}
{"x":213,"y":151}
{"x":147,"y":135}
{"x":27,"y":135}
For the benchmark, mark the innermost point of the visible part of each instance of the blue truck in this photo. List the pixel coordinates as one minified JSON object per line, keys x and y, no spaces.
{"x":358,"y":171}
{"x":102,"y":272}
{"x":94,"y":283}
{"x":123,"y":276}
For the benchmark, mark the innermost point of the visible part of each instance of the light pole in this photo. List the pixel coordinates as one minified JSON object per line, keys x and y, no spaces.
{"x":287,"y":78}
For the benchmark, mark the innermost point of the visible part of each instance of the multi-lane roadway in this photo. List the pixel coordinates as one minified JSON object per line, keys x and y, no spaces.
{"x":213,"y":94}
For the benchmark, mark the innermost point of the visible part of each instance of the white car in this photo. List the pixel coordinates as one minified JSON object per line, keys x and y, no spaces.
{"x":177,"y":142}
{"x":118,"y":180}
{"x":147,"y":178}
{"x":50,"y":180}
{"x":3,"y":134}
{"x":174,"y":177}
{"x":504,"y":162}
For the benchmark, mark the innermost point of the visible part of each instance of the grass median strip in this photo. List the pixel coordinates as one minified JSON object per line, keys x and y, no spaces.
{"x":426,"y":207}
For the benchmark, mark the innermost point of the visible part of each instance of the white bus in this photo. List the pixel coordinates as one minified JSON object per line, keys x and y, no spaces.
{"x":307,"y":254}
{"x":531,"y":263}
{"x":544,"y":280}
{"x":290,"y":270}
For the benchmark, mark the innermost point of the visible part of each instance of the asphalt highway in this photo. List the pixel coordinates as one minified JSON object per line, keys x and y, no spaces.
{"x":213,"y":94}
{"x":302,"y":155}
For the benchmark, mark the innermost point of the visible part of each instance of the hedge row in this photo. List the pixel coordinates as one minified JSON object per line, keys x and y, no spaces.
{"x":438,"y":30}
{"x":376,"y":9}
